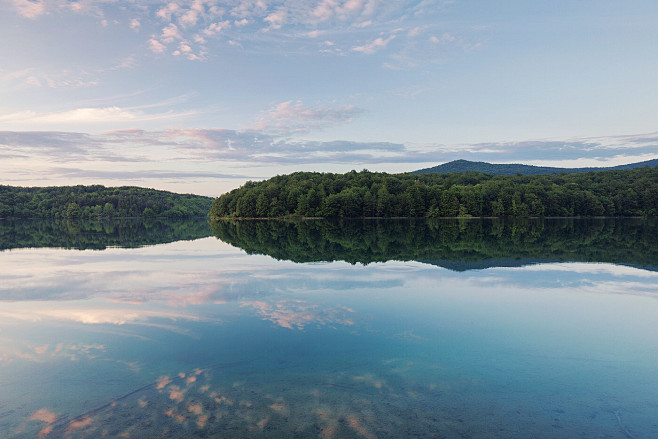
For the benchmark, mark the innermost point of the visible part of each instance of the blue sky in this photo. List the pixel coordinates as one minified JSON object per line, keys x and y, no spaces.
{"x":202,"y":95}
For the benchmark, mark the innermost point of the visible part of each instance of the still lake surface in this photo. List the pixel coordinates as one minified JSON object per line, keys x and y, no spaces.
{"x":364,"y":329}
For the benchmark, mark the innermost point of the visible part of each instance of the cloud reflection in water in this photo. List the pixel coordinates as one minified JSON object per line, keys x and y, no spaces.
{"x":297,"y":314}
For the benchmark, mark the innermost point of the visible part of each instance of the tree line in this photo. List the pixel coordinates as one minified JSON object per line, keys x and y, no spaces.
{"x":98,"y":201}
{"x":373,"y":194}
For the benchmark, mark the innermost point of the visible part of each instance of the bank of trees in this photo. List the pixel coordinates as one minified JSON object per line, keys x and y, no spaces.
{"x":370,"y":194}
{"x":98,"y":202}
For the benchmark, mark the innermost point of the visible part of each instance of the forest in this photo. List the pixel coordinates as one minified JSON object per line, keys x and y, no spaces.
{"x":367,"y":194}
{"x":97,"y":201}
{"x":456,"y":243}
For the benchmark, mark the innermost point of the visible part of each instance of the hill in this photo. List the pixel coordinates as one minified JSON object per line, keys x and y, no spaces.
{"x":98,"y":202}
{"x":632,"y":192}
{"x":514,"y":168}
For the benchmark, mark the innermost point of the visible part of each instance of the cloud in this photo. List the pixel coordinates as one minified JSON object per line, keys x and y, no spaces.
{"x":185,"y":23}
{"x":137,"y":175}
{"x":445,"y":38}
{"x":374,"y":45}
{"x":209,"y":27}
{"x":170,"y":149}
{"x":44,"y":415}
{"x":135,"y":24}
{"x":416,"y":31}
{"x":30,"y":8}
{"x":125,"y":63}
{"x":217,"y":27}
{"x":87,"y":115}
{"x":330,"y":9}
{"x":297,"y":314}
{"x":36,"y":8}
{"x":79,"y":115}
{"x":170,"y":33}
{"x":295,"y":117}
{"x":156,"y":46}
{"x":53,"y":143}
{"x":166,"y":12}
{"x":67,"y":78}
{"x":276,"y":19}
{"x":17,"y":74}
{"x":254,"y":146}
{"x":110,"y":316}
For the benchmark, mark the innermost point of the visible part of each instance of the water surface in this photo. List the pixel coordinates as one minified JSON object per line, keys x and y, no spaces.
{"x":317,"y":329}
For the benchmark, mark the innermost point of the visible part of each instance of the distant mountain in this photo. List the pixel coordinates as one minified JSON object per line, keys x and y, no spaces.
{"x":513,"y":168}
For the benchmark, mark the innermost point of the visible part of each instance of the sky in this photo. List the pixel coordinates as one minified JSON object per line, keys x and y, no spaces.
{"x":200,"y":96}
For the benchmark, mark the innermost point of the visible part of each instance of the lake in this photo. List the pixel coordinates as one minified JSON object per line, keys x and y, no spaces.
{"x":352,"y":329}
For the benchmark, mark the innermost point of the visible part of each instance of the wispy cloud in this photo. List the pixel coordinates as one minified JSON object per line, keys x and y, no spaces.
{"x":70,"y":77}
{"x":62,"y":79}
{"x":430,"y":44}
{"x":253,"y":146}
{"x":374,"y":45}
{"x":118,"y":316}
{"x":295,"y":117}
{"x":88,"y":115}
{"x":265,"y":148}
{"x":260,"y":147}
{"x":142,"y":174}
{"x":66,"y":145}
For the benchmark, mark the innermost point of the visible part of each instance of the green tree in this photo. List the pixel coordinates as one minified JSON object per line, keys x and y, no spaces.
{"x":73,"y":211}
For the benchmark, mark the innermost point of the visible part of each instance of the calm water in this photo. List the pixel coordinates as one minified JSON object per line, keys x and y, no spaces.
{"x":369,"y":329}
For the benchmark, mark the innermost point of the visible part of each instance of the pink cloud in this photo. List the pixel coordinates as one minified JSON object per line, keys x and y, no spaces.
{"x":170,"y":33}
{"x":44,"y":415}
{"x":195,"y":408}
{"x":30,"y":9}
{"x":175,"y":394}
{"x":296,"y":314}
{"x":277,"y":19}
{"x":45,"y":431}
{"x":156,"y":46}
{"x":328,"y":9}
{"x":78,"y":424}
{"x":374,"y":45}
{"x":135,"y":24}
{"x":166,"y":12}
{"x":215,"y":28}
{"x":40,"y":350}
{"x":295,"y":117}
{"x":162,"y":382}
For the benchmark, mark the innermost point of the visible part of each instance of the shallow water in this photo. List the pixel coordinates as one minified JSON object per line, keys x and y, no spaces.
{"x":200,"y":339}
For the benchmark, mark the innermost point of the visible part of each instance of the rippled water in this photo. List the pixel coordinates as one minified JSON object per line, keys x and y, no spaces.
{"x":445,"y":335}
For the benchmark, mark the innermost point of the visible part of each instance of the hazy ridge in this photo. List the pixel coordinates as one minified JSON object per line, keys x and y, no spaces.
{"x":517,"y":168}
